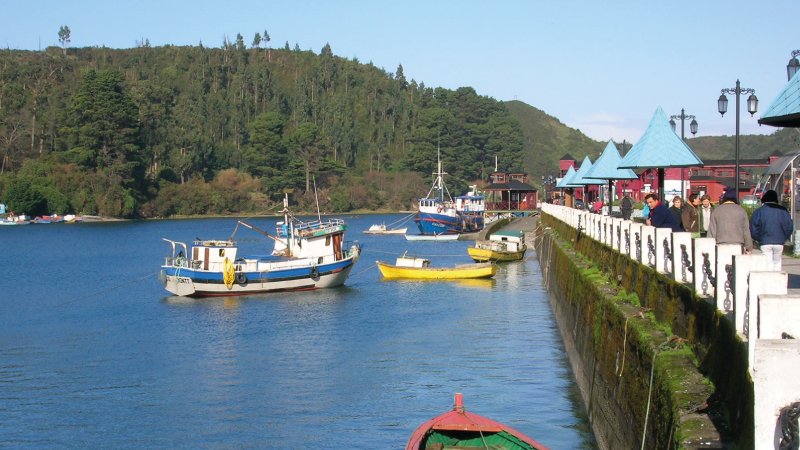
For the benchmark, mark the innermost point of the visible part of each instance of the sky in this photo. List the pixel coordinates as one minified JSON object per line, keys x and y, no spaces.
{"x":602,"y":67}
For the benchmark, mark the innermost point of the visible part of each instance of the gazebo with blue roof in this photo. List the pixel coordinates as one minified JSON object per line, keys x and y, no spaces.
{"x":785,"y":109}
{"x":659,"y":147}
{"x":607,"y":168}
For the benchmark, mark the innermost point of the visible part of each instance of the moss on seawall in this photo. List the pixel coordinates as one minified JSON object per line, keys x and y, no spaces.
{"x":655,"y":363}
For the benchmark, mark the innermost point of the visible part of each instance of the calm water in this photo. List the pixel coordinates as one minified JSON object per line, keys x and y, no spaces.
{"x":94,"y":353}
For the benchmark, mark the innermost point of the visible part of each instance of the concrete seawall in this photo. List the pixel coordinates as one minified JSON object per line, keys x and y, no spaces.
{"x":657,"y":366}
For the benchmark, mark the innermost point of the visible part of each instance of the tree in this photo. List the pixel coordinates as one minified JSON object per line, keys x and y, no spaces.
{"x":304,"y":144}
{"x":64,"y":37}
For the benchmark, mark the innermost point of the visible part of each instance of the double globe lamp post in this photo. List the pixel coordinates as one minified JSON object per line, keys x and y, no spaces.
{"x":692,"y":128}
{"x":752,"y":107}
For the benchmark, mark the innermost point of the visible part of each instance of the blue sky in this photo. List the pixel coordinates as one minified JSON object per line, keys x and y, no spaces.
{"x":599,"y":66}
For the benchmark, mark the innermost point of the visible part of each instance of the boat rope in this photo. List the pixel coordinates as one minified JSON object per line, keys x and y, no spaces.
{"x":649,"y":395}
{"x":664,"y":345}
{"x":624,"y":346}
{"x":402,"y":220}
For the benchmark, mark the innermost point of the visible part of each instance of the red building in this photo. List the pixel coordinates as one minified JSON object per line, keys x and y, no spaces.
{"x":711,"y":179}
{"x":510,"y":191}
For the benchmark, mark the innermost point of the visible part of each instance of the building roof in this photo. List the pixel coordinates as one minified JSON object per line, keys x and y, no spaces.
{"x":606,"y":166}
{"x":511,"y":185}
{"x":659,"y":147}
{"x":580,"y":180}
{"x":784,"y":111}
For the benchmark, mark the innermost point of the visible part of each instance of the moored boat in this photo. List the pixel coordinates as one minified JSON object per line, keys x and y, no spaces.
{"x":462,"y":429}
{"x":383,"y":229}
{"x":411,"y":267}
{"x":437,"y":213}
{"x":306,"y":256}
{"x":432,"y":237}
{"x":501,"y":246}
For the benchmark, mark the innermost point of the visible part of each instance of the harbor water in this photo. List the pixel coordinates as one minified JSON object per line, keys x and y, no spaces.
{"x":95,"y":353}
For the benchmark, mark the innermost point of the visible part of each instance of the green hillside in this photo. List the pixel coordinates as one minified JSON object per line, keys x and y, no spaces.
{"x":547,"y":140}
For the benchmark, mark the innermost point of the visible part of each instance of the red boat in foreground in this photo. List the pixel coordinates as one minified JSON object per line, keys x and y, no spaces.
{"x":461,"y":429}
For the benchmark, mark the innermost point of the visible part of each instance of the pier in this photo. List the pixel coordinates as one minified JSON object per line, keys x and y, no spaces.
{"x":676,"y":342}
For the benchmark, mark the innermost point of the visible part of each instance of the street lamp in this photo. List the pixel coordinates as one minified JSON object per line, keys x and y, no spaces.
{"x":752,"y":107}
{"x":692,"y":128}
{"x":794,"y":65}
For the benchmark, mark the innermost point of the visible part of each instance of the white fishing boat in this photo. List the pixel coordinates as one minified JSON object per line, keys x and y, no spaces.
{"x":306,"y":256}
{"x":432,"y":237}
{"x":383,"y":229}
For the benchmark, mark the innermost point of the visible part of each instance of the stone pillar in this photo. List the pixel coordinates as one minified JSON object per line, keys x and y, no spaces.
{"x":648,"y":245}
{"x":635,"y":247}
{"x":762,"y":284}
{"x":724,"y":276}
{"x":682,"y":256}
{"x":742,"y":266}
{"x":663,"y":237}
{"x":775,"y":386}
{"x":704,"y":249}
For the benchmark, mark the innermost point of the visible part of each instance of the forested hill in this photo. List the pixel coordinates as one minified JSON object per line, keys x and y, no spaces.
{"x":154,"y":132}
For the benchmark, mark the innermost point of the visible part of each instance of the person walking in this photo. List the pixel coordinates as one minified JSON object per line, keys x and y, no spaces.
{"x":729,"y":223}
{"x":690,"y":216}
{"x":660,"y":215}
{"x":677,"y":209}
{"x":771,"y":226}
{"x":704,"y":214}
{"x":626,"y":206}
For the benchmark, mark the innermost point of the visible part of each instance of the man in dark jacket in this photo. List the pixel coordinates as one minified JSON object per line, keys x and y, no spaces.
{"x":660,"y":215}
{"x":626,"y":206}
{"x":771,"y":226}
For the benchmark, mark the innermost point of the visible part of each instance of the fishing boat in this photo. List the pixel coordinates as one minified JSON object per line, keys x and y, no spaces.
{"x":438,"y":213}
{"x":383,"y":229}
{"x":432,"y":237}
{"x":306,"y":256}
{"x":461,"y":429}
{"x":411,"y":267}
{"x":501,"y":246}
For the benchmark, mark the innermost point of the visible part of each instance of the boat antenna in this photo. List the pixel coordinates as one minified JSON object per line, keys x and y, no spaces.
{"x":316,"y":197}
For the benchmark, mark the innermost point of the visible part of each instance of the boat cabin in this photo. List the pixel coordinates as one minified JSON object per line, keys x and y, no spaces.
{"x":410,"y":261}
{"x":211,"y":255}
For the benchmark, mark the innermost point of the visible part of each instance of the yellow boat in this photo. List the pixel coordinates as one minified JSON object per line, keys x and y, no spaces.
{"x":501,"y":246}
{"x":410,"y":267}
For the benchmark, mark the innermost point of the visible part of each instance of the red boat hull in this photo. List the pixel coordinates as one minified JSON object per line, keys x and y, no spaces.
{"x":459,"y":420}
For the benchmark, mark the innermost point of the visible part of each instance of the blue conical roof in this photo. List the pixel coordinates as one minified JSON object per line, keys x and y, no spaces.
{"x":606,"y":166}
{"x":660,"y":147}
{"x":564,"y":183}
{"x":580,"y":180}
{"x":785,"y":109}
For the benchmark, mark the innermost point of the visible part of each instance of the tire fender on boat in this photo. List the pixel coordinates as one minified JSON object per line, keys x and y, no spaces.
{"x":241,"y":279}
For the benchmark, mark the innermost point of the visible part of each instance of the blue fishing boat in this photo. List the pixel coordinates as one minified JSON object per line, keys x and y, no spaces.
{"x":306,"y":256}
{"x":438,"y":213}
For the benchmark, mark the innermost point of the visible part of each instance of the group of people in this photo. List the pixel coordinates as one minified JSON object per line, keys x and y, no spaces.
{"x":770,"y":225}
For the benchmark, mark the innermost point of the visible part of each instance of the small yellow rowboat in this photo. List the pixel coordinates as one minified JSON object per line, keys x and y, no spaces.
{"x":409,"y":267}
